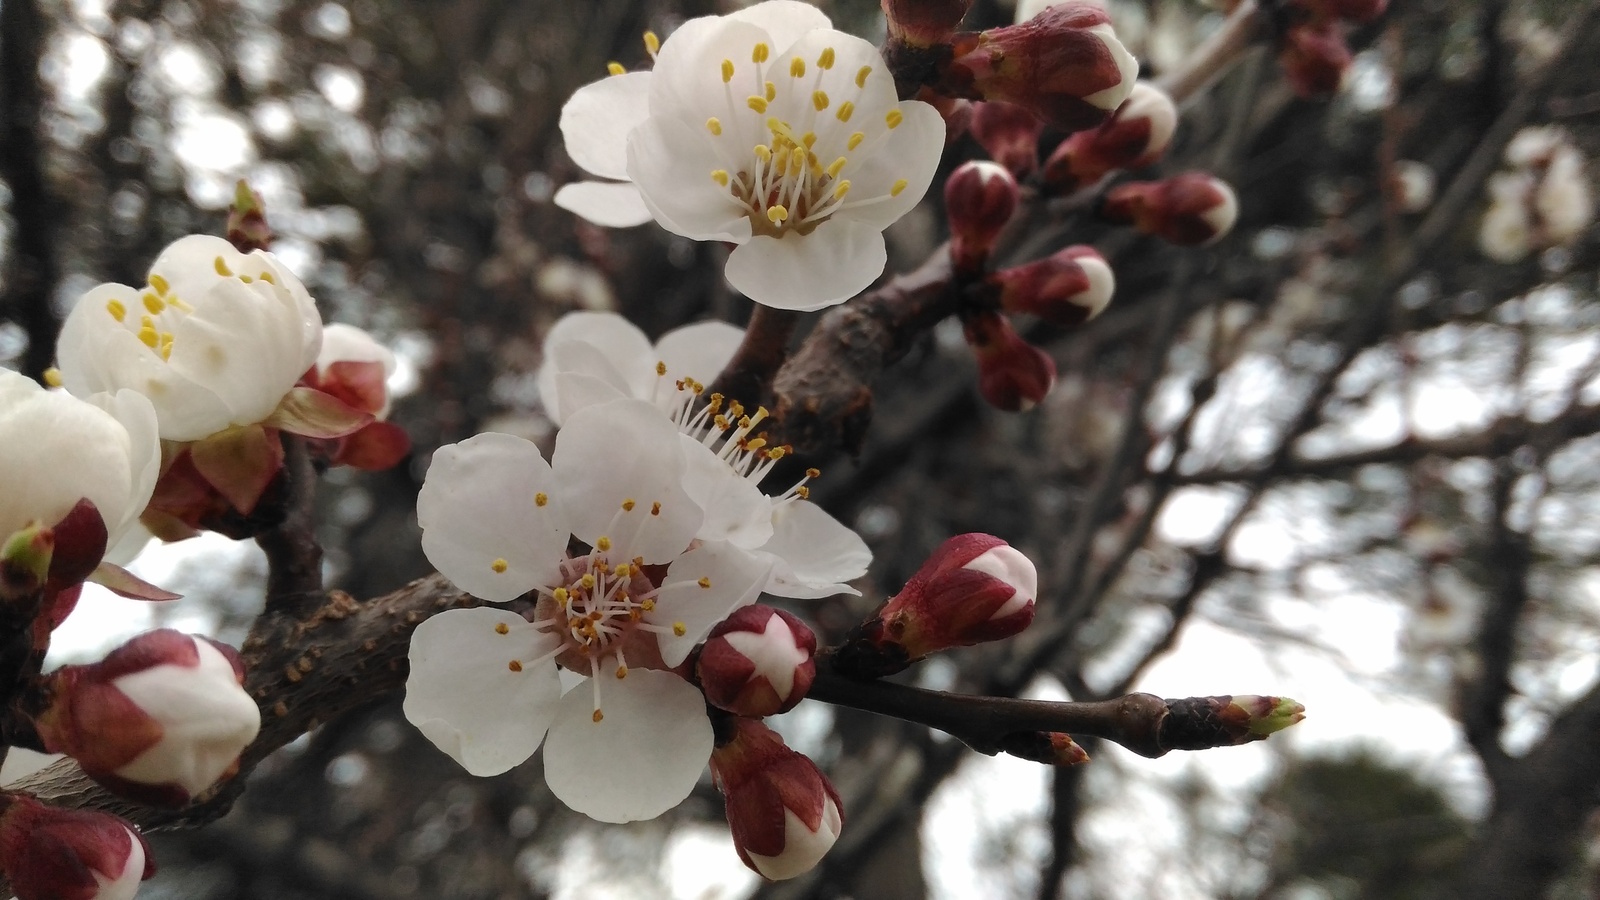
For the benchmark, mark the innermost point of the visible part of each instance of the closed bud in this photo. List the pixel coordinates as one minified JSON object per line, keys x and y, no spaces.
{"x":1188,"y":209}
{"x":1052,"y":748}
{"x":1314,"y":57}
{"x":1200,"y":723}
{"x":1135,"y":136}
{"x":1064,"y":65}
{"x":923,"y":23}
{"x":1262,"y":716}
{"x":160,"y":720}
{"x":979,"y":198}
{"x":1013,"y":375}
{"x":757,"y":662}
{"x":353,"y":368}
{"x":1009,"y":134}
{"x":1069,"y":287}
{"x":783,"y":812}
{"x":247,"y":220}
{"x":62,"y":854}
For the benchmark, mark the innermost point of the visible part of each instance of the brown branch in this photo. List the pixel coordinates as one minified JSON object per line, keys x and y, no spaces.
{"x":294,"y":558}
{"x":748,"y":375}
{"x":1221,"y":50}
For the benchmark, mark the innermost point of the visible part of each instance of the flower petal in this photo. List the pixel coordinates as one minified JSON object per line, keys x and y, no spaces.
{"x":610,"y":204}
{"x":910,"y":152}
{"x":601,"y":345}
{"x":613,"y":464}
{"x":641,"y":759}
{"x":134,"y":411}
{"x":596,"y":119}
{"x":244,"y":343}
{"x":735,"y":509}
{"x":814,"y":554}
{"x":464,"y":695}
{"x":687,"y":81}
{"x":807,"y":272}
{"x":783,"y":20}
{"x":672,"y":163}
{"x":701,"y":588}
{"x":479,"y":507}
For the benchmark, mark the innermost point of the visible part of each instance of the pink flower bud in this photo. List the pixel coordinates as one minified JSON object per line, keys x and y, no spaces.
{"x":1314,"y":56}
{"x":63,"y":854}
{"x":979,"y":198}
{"x":1136,"y":136}
{"x":1053,"y":748}
{"x":1065,"y":65}
{"x":1009,"y":133}
{"x":783,"y":812}
{"x":1069,"y":287}
{"x":924,"y":22}
{"x":160,"y":720}
{"x":758,"y":662}
{"x":1188,"y":209}
{"x":1013,"y":375}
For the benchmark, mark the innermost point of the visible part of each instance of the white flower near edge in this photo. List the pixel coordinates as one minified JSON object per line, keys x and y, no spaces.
{"x":56,"y":449}
{"x":765,"y":128}
{"x":597,"y":357}
{"x":496,"y":521}
{"x":216,"y":337}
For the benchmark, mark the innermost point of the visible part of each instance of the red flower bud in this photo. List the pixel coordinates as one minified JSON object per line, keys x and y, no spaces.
{"x":783,"y":812}
{"x":757,"y":662}
{"x":63,"y":854}
{"x":1136,"y":136}
{"x":160,"y":720}
{"x":1013,"y":375}
{"x":1188,"y":209}
{"x":1010,"y":134}
{"x":979,"y":198}
{"x":924,"y":23}
{"x":1314,"y":56}
{"x":1067,"y":288}
{"x":1065,"y":65}
{"x":1053,"y":748}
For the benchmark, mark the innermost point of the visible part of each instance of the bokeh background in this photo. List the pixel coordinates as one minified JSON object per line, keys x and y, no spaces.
{"x":1339,"y":455}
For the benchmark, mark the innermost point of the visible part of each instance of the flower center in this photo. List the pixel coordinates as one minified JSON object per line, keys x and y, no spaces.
{"x":160,"y":310}
{"x":725,"y":428}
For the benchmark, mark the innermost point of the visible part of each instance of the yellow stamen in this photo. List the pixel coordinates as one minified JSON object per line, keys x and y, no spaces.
{"x":622,"y":671}
{"x":222,"y":269}
{"x":759,"y":104}
{"x":267,"y":277}
{"x":652,"y":44}
{"x":499,"y":566}
{"x":720,"y":176}
{"x":598,"y":715}
{"x":52,"y":376}
{"x":616,"y":68}
{"x":797,"y":68}
{"x":647,"y":605}
{"x":655,"y":509}
{"x":776,"y":213}
{"x":704,"y":582}
{"x":623,"y":570}
{"x":502,"y":628}
{"x":813,"y":473}
{"x":603,"y":544}
{"x":772,"y":92}
{"x":154,"y":304}
{"x":727,"y":71}
{"x":587,"y":581}
{"x":846,"y":110}
{"x":160,"y":284}
{"x":825,"y":61}
{"x":897,"y":187}
{"x":894,"y":118}
{"x":149,"y":337}
{"x":760,"y":52}
{"x":661,"y":367}
{"x":627,"y":505}
{"x":560,"y":595}
{"x":514,"y":666}
{"x":166,"y":345}
{"x":836,"y":167}
{"x":861,"y":76}
{"x":246,"y":279}
{"x":855,"y":140}
{"x":714,"y":126}
{"x":541,"y":499}
{"x":175,"y":303}
{"x":802,"y":492}
{"x":810,"y":140}
{"x":116,"y":309}
{"x":763,"y":153}
{"x":819,"y":100}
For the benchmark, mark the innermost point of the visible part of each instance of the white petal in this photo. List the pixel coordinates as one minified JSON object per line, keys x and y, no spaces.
{"x":624,"y":451}
{"x":814,"y":553}
{"x":783,"y":20}
{"x":809,"y":272}
{"x":244,"y":343}
{"x":56,"y":450}
{"x":618,"y":353}
{"x":596,"y":119}
{"x":126,"y":882}
{"x":207,"y":718}
{"x":479,"y":507}
{"x":574,"y":392}
{"x":347,"y":343}
{"x":672,"y":162}
{"x":641,"y":759}
{"x":611,"y":204}
{"x":735,"y":509}
{"x":687,"y":81}
{"x":463,"y":695}
{"x":134,"y":412}
{"x":911,"y":152}
{"x":701,"y":588}
{"x":699,"y":351}
{"x":870,"y":101}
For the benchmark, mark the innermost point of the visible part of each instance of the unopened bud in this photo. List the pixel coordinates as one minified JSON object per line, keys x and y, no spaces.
{"x":1065,"y":65}
{"x":1199,"y":723}
{"x":1009,"y":134}
{"x":1188,"y":209}
{"x":1013,"y":375}
{"x":1135,"y":136}
{"x":979,"y":198}
{"x":50,"y":854}
{"x":160,"y":720}
{"x":1314,"y":57}
{"x":1067,"y":288}
{"x":247,"y":220}
{"x":783,"y":812}
{"x":1052,"y":748}
{"x":923,"y":23}
{"x":757,"y":662}
{"x":1265,"y":715}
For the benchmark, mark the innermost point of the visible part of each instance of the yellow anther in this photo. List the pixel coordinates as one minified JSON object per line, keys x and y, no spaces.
{"x":246,"y":279}
{"x":652,"y":44}
{"x":648,"y":605}
{"x":541,"y":498}
{"x":222,"y":268}
{"x":116,"y":309}
{"x":776,"y":213}
{"x":166,"y":345}
{"x":603,"y":544}
{"x":154,"y":304}
{"x":622,"y":671}
{"x":655,"y":509}
{"x":704,"y":582}
{"x":715,"y":402}
{"x":149,"y":337}
{"x":813,"y":473}
{"x":810,"y":140}
{"x":861,"y":76}
{"x":587,"y":581}
{"x":679,"y":629}
{"x":627,"y":505}
{"x":560,"y":595}
{"x":514,"y":666}
{"x":897,"y":187}
{"x":502,"y":628}
{"x":623,"y":570}
{"x":661,"y":367}
{"x":819,"y":100}
{"x":727,"y":71}
{"x":720,"y":176}
{"x":893,"y":118}
{"x":802,"y":492}
{"x":797,"y":68}
{"x":759,"y":104}
{"x":267,"y":277}
{"x":763,"y":152}
{"x":855,"y":140}
{"x":596,"y":616}
{"x":160,"y":284}
{"x":837,"y":166}
{"x":772,"y":92}
{"x":846,"y":110}
{"x":52,"y":376}
{"x":825,"y":61}
{"x":714,"y":125}
{"x":499,"y":565}
{"x":842,"y":189}
{"x":756,"y":444}
{"x":777,"y":452}
{"x":760,"y":52}
{"x":598,"y":715}
{"x":616,"y":68}
{"x":177,"y":304}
